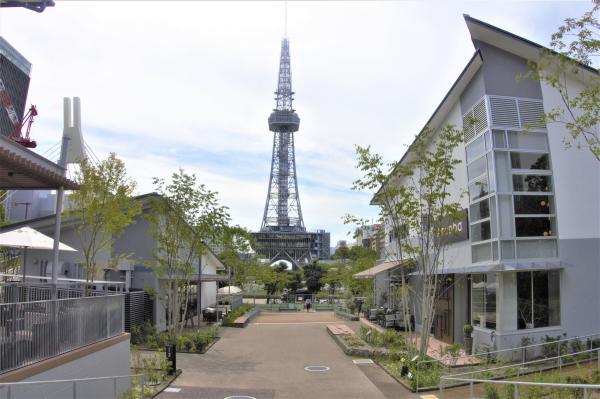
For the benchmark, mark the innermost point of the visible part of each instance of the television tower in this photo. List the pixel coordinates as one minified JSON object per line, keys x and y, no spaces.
{"x":282,"y":208}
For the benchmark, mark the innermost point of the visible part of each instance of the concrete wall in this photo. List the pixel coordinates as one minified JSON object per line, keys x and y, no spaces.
{"x":111,"y":361}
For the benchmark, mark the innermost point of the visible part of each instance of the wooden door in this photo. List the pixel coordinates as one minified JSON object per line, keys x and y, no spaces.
{"x":443,"y":326}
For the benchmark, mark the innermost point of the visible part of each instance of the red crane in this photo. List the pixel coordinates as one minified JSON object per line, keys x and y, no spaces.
{"x":17,"y":134}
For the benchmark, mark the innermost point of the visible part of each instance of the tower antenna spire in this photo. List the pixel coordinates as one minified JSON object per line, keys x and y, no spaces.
{"x":285,"y":26}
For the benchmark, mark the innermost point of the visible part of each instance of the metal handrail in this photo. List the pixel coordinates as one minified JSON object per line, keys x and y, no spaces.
{"x":459,"y":377}
{"x":9,"y":386}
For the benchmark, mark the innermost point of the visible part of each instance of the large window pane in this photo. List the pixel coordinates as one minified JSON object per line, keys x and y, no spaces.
{"x":499,"y":139}
{"x":527,"y":140}
{"x":531,"y":183}
{"x":477,"y":300}
{"x":481,"y":252}
{"x":483,"y":300}
{"x":479,"y":189}
{"x":508,"y":249}
{"x":480,"y":210}
{"x":481,"y":231}
{"x":535,"y":249}
{"x":475,"y":149}
{"x":538,"y":299}
{"x":490,"y":300}
{"x":524,"y":305}
{"x":506,"y":216}
{"x":533,"y":204}
{"x":534,"y":227}
{"x":520,"y":160}
{"x":477,"y":168}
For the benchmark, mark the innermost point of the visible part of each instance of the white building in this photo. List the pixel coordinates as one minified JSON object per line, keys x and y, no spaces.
{"x":530,"y":264}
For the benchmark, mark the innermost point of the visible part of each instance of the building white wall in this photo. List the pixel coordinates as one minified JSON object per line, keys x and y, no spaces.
{"x":576,"y":176}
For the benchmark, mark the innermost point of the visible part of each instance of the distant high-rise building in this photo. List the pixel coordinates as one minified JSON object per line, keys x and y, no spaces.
{"x":15,"y":72}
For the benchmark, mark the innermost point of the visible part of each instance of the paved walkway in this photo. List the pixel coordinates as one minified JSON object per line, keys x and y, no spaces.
{"x":267,"y":359}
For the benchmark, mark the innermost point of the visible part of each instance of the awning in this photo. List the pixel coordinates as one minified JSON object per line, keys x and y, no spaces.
{"x":501,"y":267}
{"x":21,"y":168}
{"x":382,"y":267}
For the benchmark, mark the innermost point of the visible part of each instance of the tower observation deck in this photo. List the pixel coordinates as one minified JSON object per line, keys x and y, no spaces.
{"x":282,"y":235}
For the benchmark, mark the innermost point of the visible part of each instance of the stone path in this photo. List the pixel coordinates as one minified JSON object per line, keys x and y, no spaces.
{"x":267,"y":359}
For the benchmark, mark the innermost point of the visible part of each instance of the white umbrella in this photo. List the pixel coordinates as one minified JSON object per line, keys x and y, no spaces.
{"x":28,"y":238}
{"x":230,"y":289}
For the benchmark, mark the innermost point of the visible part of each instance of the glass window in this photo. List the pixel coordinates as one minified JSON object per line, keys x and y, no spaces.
{"x":479,"y":189}
{"x":481,"y":252}
{"x":488,"y":141}
{"x":506,"y":216}
{"x":527,"y":140}
{"x":475,"y":149}
{"x":480,"y":210}
{"x":483,"y":300}
{"x":499,"y":139}
{"x":531,"y":183}
{"x":503,"y":172}
{"x":535,"y":249}
{"x":490,"y":162}
{"x":508,"y":249}
{"x":477,"y":168}
{"x":534,"y":226}
{"x":538,"y":299}
{"x":533,"y":204}
{"x":521,"y":160}
{"x":481,"y":231}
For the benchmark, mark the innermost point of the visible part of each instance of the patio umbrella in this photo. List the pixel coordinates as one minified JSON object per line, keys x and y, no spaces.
{"x":230,"y":289}
{"x":28,"y":238}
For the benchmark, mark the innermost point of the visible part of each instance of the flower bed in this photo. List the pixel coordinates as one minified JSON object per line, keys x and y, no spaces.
{"x":241,"y":316}
{"x":148,"y":338}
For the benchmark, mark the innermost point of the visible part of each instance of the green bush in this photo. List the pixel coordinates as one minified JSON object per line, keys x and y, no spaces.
{"x":388,"y":339}
{"x":490,"y":391}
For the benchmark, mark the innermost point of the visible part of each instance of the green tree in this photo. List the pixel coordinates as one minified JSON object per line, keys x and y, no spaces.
{"x":334,"y":278}
{"x":414,"y":200}
{"x":274,"y":278}
{"x":342,"y":253}
{"x":313,"y":273}
{"x":183,"y":217}
{"x":103,"y":207}
{"x":236,"y":244}
{"x":294,"y":282}
{"x":574,"y":45}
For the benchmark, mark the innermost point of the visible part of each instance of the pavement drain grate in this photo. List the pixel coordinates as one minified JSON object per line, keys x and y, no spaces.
{"x":172,"y":389}
{"x":313,"y":369}
{"x":363,"y":361}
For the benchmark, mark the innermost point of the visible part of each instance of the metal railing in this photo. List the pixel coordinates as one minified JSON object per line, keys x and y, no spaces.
{"x":88,"y":388}
{"x":38,"y":330}
{"x":498,"y":375}
{"x":517,"y":356}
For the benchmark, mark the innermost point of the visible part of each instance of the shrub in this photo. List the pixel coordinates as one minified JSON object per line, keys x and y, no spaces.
{"x":185,"y":343}
{"x":468,"y":330}
{"x":490,"y":391}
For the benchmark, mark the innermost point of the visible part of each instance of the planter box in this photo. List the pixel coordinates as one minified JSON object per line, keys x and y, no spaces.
{"x":243,"y":321}
{"x":347,"y":316}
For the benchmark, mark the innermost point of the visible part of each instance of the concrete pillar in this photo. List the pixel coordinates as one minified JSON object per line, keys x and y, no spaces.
{"x":506,"y":302}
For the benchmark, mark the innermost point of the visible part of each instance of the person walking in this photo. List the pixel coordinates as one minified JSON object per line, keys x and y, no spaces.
{"x":308,"y":303}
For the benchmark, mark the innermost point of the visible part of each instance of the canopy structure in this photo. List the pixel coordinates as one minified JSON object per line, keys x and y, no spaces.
{"x":380,"y":268}
{"x":26,"y":237}
{"x":230,"y":289}
{"x":501,"y":267}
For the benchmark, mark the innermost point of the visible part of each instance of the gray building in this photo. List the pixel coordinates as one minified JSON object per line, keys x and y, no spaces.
{"x":529,"y":264}
{"x":15,"y":72}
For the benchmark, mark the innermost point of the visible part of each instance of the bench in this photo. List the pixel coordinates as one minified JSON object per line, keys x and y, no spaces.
{"x":340,"y":329}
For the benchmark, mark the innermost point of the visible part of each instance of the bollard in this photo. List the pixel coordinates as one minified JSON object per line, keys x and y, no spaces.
{"x":171,"y":354}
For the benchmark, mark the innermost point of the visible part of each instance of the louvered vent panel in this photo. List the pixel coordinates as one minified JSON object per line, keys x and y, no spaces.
{"x":469,"y":130}
{"x":531,"y":113}
{"x":504,"y":111}
{"x":480,"y":115}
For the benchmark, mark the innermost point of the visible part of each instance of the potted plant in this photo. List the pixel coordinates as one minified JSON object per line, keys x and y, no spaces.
{"x":468,"y":330}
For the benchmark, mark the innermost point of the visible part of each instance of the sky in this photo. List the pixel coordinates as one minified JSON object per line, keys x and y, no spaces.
{"x":170,"y":85}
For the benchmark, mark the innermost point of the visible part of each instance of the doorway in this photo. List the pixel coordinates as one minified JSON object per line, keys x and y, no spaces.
{"x":443,"y":326}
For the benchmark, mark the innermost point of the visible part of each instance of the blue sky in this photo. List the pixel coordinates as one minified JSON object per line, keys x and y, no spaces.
{"x":190,"y":84}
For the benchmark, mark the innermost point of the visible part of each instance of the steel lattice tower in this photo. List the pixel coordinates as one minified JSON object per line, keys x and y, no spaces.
{"x":282,"y":235}
{"x":282,"y":208}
